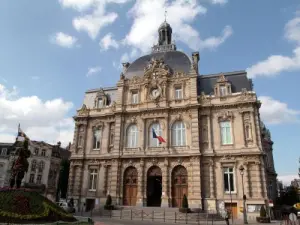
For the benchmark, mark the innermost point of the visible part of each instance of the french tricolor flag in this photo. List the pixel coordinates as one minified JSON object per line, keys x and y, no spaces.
{"x":160,"y":139}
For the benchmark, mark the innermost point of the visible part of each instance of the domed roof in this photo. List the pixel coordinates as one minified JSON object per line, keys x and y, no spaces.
{"x":176,"y":60}
{"x":165,"y":25}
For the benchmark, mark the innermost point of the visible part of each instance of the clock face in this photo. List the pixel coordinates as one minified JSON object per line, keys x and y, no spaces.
{"x":155,"y":93}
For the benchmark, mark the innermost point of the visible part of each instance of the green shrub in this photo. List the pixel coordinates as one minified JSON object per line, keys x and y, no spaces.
{"x":108,"y":200}
{"x":185,"y":203}
{"x":263,"y":212}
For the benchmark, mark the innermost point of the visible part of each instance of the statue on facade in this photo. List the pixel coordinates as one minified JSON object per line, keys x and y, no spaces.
{"x":20,"y":165}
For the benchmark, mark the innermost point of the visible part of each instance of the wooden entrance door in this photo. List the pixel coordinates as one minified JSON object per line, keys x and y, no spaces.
{"x":130,"y":186}
{"x":232,"y":207}
{"x":179,"y":185}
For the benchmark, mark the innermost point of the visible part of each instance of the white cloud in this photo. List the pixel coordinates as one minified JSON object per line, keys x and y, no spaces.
{"x":98,"y":18}
{"x":93,"y":23}
{"x":93,"y":71}
{"x":149,"y":14}
{"x":63,"y":40}
{"x":220,"y":2}
{"x":41,"y":120}
{"x":107,"y":41}
{"x":286,"y":179}
{"x":79,"y":5}
{"x":275,"y":64}
{"x":276,"y":112}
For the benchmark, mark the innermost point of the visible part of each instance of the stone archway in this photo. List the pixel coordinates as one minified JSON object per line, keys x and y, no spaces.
{"x":179,"y":185}
{"x":154,"y":186}
{"x":130,"y":182}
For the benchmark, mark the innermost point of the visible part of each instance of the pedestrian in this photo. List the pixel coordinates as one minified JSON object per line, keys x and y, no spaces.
{"x":226,"y":216}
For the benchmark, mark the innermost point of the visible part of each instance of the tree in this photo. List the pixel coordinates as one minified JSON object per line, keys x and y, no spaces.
{"x":289,"y":197}
{"x":62,"y":186}
{"x":185,"y":203}
{"x":263,"y":212}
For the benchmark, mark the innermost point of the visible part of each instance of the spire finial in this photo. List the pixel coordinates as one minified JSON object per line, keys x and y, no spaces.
{"x":166,"y":14}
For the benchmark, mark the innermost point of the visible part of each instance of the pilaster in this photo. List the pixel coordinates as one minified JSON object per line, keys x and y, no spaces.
{"x":141,"y":174}
{"x":165,"y":184}
{"x":212,"y":179}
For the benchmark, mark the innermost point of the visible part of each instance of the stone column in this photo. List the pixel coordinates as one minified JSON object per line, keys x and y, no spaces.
{"x":194,"y":183}
{"x":105,"y":138}
{"x":209,"y":131}
{"x":246,"y":180}
{"x":165,"y":184}
{"x":105,"y":179}
{"x":140,"y":193}
{"x":85,"y":180}
{"x":212,"y":179}
{"x":260,"y":180}
{"x":71,"y":181}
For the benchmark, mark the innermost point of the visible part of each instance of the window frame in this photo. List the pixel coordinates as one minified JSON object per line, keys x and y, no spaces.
{"x":134,"y":97}
{"x":96,"y":147}
{"x":39,"y":181}
{"x":135,"y":135}
{"x":32,"y":175}
{"x":158,"y":132}
{"x":228,"y":173}
{"x":222,"y":128}
{"x":178,"y":89}
{"x":93,"y":179}
{"x":4,"y":151}
{"x":182,"y":130}
{"x":222,"y":90}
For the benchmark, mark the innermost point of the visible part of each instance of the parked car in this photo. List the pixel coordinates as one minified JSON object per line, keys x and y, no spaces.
{"x":65,"y":206}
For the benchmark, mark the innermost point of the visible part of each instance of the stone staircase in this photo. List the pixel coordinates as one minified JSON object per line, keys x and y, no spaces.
{"x":160,"y":215}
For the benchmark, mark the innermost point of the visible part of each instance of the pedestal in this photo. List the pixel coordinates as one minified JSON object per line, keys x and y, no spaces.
{"x":165,"y":202}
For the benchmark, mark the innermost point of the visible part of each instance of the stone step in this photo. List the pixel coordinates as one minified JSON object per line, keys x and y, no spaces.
{"x":148,"y":214}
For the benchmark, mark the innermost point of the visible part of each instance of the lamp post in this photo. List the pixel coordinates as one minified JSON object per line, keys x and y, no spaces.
{"x":244,"y":196}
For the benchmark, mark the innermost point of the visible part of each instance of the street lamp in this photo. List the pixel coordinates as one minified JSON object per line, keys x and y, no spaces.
{"x":244,"y":196}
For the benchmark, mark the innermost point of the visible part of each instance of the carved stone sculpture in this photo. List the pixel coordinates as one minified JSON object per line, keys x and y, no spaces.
{"x":20,"y":166}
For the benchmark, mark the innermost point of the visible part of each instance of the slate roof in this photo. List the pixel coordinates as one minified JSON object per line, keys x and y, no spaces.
{"x":238,"y":80}
{"x":176,"y":60}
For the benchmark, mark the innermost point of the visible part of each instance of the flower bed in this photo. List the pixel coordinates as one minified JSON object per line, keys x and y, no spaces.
{"x":27,"y":206}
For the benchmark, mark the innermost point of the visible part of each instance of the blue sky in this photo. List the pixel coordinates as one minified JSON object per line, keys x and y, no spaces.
{"x":53,"y":51}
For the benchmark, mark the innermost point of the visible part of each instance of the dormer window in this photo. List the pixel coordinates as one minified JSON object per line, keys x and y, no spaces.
{"x":178,"y":92}
{"x":222,"y":86}
{"x":134,"y":97}
{"x":101,"y":99}
{"x":100,"y":102}
{"x":223,"y":90}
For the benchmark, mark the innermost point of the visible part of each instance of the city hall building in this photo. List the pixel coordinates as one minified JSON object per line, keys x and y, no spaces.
{"x":210,"y":124}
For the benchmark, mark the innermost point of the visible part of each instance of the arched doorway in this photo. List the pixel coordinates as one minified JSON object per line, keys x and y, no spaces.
{"x":154,"y":186}
{"x":179,"y":185}
{"x":130,"y":186}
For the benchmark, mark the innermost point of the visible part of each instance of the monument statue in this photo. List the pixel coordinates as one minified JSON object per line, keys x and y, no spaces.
{"x":20,"y":165}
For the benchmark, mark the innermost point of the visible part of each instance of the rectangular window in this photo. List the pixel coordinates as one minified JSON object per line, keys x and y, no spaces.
{"x":97,"y":138}
{"x":223,"y":90}
{"x":31,"y":178}
{"x":178,"y":93}
{"x":4,"y":151}
{"x":134,"y":97}
{"x":226,"y":134}
{"x":39,"y":179}
{"x":228,"y":179}
{"x":100,"y":102}
{"x":43,"y":152}
{"x":93,"y":180}
{"x":36,"y":151}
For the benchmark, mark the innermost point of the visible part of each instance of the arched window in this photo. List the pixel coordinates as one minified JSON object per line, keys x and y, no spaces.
{"x":33,"y":165}
{"x":132,"y":136}
{"x":153,"y":142}
{"x":178,"y":134}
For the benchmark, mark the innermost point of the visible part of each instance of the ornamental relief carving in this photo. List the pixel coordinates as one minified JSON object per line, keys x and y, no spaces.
{"x":94,"y":162}
{"x":225,"y":115}
{"x":228,"y":158}
{"x":83,"y":110}
{"x":97,"y":124}
{"x":157,"y":65}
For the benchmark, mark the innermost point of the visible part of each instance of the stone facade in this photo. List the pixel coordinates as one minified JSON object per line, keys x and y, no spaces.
{"x":210,"y":124}
{"x":4,"y":162}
